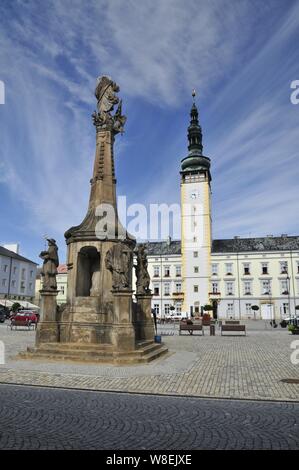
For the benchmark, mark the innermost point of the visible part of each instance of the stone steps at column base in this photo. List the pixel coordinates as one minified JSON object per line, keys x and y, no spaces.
{"x":85,"y":354}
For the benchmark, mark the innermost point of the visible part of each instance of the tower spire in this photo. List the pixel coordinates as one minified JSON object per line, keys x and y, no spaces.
{"x":194,"y":130}
{"x":195,"y":162}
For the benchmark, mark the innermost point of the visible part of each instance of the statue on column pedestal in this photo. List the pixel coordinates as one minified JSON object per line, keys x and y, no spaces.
{"x":119,"y":261}
{"x":50,"y":264}
{"x":142,"y":275}
{"x":105,"y":93}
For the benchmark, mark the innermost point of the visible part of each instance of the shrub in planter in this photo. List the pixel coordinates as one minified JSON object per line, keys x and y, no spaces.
{"x":293,"y":329}
{"x":283,"y":324}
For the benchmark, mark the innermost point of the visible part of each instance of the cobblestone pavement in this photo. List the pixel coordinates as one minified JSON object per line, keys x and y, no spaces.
{"x":39,"y":418}
{"x":250,"y":367}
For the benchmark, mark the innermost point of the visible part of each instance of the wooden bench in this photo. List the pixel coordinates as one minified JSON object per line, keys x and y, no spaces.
{"x":25,"y":324}
{"x":233,"y":328}
{"x":232,"y":322}
{"x":191,"y":328}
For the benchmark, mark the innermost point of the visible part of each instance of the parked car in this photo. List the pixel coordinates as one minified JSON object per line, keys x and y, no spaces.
{"x":31,"y":312}
{"x":25,"y":315}
{"x":2,"y":316}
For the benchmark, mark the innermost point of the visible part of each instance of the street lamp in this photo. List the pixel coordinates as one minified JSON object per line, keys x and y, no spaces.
{"x":288,"y":279}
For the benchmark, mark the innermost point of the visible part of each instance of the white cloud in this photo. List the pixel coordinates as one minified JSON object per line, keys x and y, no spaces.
{"x":156,"y":50}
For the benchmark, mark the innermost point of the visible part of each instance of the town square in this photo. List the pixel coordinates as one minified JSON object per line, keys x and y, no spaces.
{"x":149,"y":243}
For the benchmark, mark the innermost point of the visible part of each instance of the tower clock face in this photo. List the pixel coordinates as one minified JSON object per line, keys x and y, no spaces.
{"x":194,"y":195}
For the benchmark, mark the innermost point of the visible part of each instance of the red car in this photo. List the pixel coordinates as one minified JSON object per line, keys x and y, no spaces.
{"x":26,"y":315}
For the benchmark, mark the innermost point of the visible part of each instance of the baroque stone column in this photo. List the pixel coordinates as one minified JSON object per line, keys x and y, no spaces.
{"x":47,"y":328}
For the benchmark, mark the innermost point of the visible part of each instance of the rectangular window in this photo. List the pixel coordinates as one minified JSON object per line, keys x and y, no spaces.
{"x":156,"y":271}
{"x":283,"y":267}
{"x":265,"y":268}
{"x":22,"y":286}
{"x":214,"y":269}
{"x":229,"y":268}
{"x":178,"y":287}
{"x":195,"y":288}
{"x":215,"y":287}
{"x":230,"y":309}
{"x":166,"y":309}
{"x":5,"y":268}
{"x":285,"y":308}
{"x":229,"y":288}
{"x":178,"y":271}
{"x":31,"y":274}
{"x":266,"y":287}
{"x":247,"y":287}
{"x":30,"y":286}
{"x":14,"y":270}
{"x":13,"y":283}
{"x":178,"y":307}
{"x":297,"y":267}
{"x":166,"y":271}
{"x":3,"y":282}
{"x":246,"y":268}
{"x":248,"y":309}
{"x":195,"y":254}
{"x":284,"y":286}
{"x":157,"y":309}
{"x":166,"y":288}
{"x":196,"y":269}
{"x":23,"y":273}
{"x":156,"y":289}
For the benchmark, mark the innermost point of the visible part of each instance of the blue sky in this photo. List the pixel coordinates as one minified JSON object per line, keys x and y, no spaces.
{"x":241,"y":56}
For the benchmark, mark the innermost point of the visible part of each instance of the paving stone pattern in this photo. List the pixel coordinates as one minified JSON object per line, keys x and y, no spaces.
{"x":42,"y":418}
{"x":248,"y":367}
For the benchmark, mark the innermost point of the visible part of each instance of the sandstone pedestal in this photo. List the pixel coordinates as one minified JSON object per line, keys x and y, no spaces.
{"x":144,"y":323}
{"x":123,"y":333}
{"x":47,"y":329}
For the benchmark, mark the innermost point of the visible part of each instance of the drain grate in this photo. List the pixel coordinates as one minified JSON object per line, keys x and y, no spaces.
{"x":290,"y":381}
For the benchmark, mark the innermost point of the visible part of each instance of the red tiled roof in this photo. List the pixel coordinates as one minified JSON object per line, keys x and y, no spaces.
{"x":62,"y":269}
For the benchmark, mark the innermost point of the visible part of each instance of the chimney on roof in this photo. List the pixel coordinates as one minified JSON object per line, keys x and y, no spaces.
{"x":236,"y":237}
{"x":269,"y":236}
{"x":15,"y":247}
{"x":284,"y":234}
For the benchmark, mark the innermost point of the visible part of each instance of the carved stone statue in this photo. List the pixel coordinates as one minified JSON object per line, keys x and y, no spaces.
{"x":142,"y":275}
{"x":119,"y":261}
{"x":105,"y":93}
{"x":95,"y":283}
{"x":50,"y":264}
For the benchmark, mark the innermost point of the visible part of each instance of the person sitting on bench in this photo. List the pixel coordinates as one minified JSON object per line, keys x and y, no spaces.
{"x":190,"y":322}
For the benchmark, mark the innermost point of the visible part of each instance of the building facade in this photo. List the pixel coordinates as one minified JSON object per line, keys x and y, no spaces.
{"x":231,"y":275}
{"x":17,"y":277}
